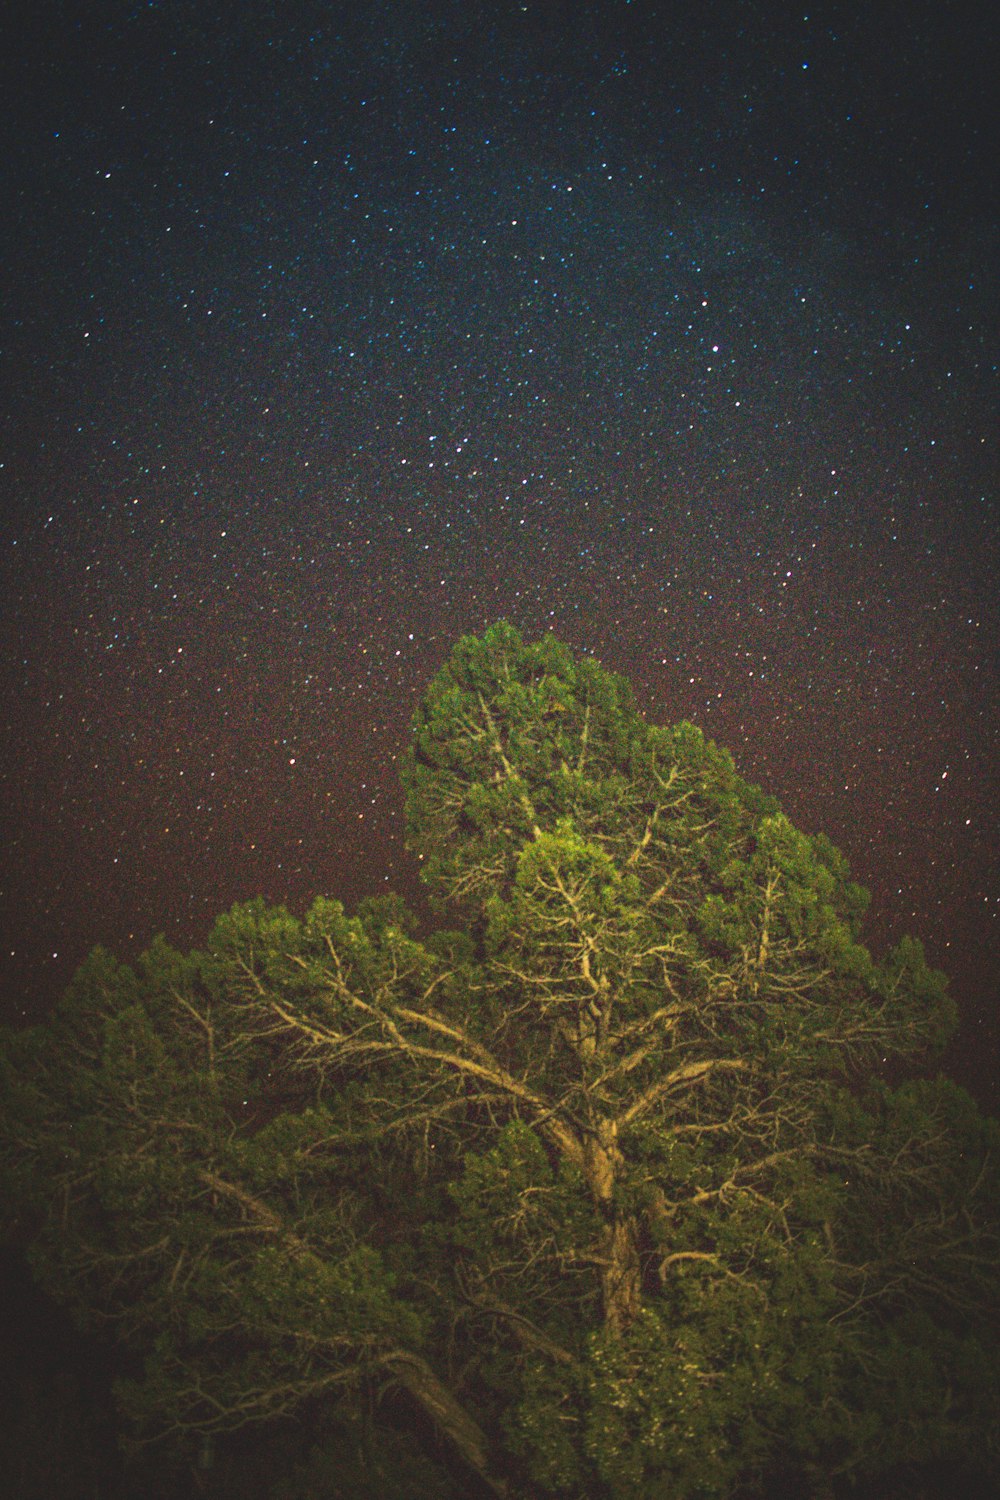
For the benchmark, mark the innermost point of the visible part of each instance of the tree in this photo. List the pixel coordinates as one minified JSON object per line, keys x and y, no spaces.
{"x":599,"y":1187}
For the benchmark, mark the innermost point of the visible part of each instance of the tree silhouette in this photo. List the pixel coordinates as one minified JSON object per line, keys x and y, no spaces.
{"x":595,"y":1192}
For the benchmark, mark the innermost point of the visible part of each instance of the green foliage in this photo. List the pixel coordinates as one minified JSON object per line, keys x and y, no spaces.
{"x":593,"y":1193}
{"x":507,"y":734}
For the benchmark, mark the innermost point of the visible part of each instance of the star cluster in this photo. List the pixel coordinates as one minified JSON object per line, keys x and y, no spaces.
{"x":327,"y":337}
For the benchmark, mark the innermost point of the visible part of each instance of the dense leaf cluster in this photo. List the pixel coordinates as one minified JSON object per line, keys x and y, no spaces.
{"x":594,"y":1193}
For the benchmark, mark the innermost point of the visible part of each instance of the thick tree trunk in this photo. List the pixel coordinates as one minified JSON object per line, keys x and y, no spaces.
{"x":621,"y":1285}
{"x":621,"y":1280}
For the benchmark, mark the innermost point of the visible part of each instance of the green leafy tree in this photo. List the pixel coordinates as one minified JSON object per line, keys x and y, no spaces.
{"x":599,"y":1187}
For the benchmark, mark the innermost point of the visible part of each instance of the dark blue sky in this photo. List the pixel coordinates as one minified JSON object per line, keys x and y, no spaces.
{"x":330,"y":332}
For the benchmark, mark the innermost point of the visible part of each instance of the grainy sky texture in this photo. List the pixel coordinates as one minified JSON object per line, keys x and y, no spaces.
{"x":329,"y":332}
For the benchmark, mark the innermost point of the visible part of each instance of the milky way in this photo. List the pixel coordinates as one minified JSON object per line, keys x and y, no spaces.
{"x":328,"y":337}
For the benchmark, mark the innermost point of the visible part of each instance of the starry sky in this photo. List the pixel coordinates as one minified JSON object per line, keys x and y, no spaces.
{"x":330,"y":331}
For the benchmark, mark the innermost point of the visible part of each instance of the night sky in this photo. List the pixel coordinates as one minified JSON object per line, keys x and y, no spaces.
{"x":329,"y":332}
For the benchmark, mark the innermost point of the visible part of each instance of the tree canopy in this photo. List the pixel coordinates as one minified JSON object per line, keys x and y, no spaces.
{"x":593,"y":1190}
